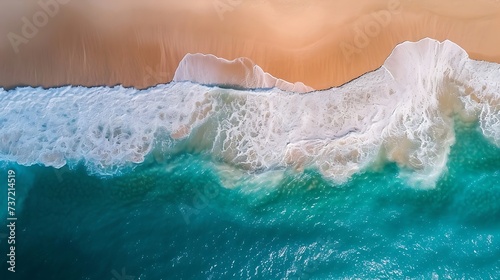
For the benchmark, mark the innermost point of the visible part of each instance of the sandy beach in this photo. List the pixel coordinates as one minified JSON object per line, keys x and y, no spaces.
{"x":320,"y":43}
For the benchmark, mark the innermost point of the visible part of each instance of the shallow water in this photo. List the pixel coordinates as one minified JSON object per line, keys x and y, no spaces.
{"x":175,"y":220}
{"x":392,"y":175}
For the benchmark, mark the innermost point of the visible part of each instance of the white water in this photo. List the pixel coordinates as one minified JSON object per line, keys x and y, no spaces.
{"x":401,"y":112}
{"x":238,"y":73}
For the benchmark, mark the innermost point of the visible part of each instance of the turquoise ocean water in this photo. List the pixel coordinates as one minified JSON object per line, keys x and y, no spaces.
{"x":173,"y":219}
{"x":394,"y":175}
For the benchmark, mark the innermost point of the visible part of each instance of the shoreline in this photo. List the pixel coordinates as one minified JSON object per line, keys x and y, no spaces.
{"x":141,"y":46}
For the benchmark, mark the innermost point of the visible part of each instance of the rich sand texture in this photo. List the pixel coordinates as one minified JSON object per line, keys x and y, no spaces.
{"x":322,"y":43}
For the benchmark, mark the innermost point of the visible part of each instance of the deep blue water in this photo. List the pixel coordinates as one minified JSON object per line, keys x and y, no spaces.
{"x":175,"y":220}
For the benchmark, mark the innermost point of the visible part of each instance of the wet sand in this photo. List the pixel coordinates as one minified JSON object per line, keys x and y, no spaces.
{"x":321,"y":43}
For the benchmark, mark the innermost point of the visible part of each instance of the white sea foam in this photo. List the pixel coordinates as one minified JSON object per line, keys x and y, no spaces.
{"x":401,"y":112}
{"x":241,"y":73}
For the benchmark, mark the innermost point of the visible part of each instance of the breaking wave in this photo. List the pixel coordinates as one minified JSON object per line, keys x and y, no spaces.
{"x":402,"y":112}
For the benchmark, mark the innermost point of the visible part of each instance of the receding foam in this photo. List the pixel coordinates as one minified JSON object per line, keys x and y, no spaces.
{"x":402,"y":112}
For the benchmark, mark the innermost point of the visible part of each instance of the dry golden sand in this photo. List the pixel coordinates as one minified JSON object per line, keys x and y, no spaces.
{"x":322,"y":43}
